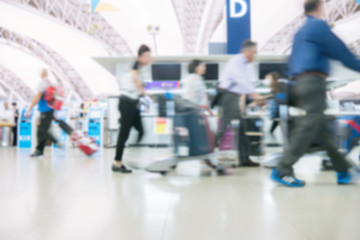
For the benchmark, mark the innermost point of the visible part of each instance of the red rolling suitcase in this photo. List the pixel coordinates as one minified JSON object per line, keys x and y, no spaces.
{"x":85,"y":143}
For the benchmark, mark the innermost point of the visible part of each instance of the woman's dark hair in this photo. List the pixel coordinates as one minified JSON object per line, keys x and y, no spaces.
{"x":312,"y":5}
{"x":274,"y":85}
{"x":142,"y":49}
{"x":193,"y":65}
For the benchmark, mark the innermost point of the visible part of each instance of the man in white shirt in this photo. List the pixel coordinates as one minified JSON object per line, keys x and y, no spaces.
{"x":6,"y":122}
{"x":237,"y":82}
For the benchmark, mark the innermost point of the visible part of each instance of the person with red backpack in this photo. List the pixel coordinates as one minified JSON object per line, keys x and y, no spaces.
{"x":47,"y":102}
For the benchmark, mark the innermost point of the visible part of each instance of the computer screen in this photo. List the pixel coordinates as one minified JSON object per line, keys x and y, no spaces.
{"x":266,"y":68}
{"x":166,"y":72}
{"x":212,"y":72}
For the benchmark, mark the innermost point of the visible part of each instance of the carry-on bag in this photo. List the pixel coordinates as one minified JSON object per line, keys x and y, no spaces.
{"x":85,"y":143}
{"x":192,"y":134}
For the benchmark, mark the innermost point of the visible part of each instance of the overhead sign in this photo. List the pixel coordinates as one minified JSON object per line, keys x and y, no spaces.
{"x":238,"y":24}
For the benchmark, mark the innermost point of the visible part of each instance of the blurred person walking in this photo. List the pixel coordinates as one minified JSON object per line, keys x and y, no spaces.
{"x":6,"y":119}
{"x":132,"y":87}
{"x":194,"y":88}
{"x":46,"y":115}
{"x":314,"y":45}
{"x":15,"y":127}
{"x":236,"y":82}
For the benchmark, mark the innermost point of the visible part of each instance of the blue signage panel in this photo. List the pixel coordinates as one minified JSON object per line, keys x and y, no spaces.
{"x":25,"y":131}
{"x":238,"y":24}
{"x":95,"y":116}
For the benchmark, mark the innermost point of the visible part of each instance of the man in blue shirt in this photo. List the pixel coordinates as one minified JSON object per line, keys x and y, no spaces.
{"x":46,"y":116}
{"x":314,"y":45}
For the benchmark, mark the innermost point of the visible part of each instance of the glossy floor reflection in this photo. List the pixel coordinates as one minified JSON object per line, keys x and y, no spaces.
{"x":66,"y":195}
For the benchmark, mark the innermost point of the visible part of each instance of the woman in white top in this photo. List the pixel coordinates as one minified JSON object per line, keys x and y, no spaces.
{"x":193,"y":85}
{"x":132,"y":87}
{"x":194,"y":89}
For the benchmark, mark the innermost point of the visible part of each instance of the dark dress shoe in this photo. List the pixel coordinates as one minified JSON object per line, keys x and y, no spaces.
{"x":121,"y":169}
{"x":249,"y":163}
{"x":37,"y":154}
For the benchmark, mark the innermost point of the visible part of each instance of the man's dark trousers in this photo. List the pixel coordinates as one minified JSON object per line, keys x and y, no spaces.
{"x":230,"y":105}
{"x":310,"y":95}
{"x":43,"y":134}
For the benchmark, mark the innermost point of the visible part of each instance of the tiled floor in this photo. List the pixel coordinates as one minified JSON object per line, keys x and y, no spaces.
{"x":66,"y":195}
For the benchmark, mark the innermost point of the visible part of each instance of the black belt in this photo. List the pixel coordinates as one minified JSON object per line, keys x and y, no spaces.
{"x":319,"y":74}
{"x":129,"y":99}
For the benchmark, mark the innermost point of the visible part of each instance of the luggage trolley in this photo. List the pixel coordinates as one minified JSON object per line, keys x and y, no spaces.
{"x":193,"y":138}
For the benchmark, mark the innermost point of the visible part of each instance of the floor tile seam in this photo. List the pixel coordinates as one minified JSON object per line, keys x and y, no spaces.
{"x":171,"y":202}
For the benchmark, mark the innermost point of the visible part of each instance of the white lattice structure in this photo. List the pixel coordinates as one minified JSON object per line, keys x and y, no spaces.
{"x":75,"y":13}
{"x":189,"y":13}
{"x":4,"y":92}
{"x":62,"y":69}
{"x":12,"y":84}
{"x":211,"y":22}
{"x":336,"y":11}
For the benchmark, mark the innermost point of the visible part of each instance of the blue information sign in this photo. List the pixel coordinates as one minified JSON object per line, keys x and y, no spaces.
{"x":25,"y":130}
{"x":238,"y":24}
{"x":95,"y":116}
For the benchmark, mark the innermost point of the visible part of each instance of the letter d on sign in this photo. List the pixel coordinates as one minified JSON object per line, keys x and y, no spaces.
{"x":238,"y":14}
{"x":243,"y":8}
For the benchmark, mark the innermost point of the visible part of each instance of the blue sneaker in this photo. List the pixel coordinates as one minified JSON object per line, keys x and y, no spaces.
{"x":287,"y":180}
{"x":344,"y":178}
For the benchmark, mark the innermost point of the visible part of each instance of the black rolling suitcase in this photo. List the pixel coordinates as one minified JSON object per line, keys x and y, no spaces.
{"x":192,"y":135}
